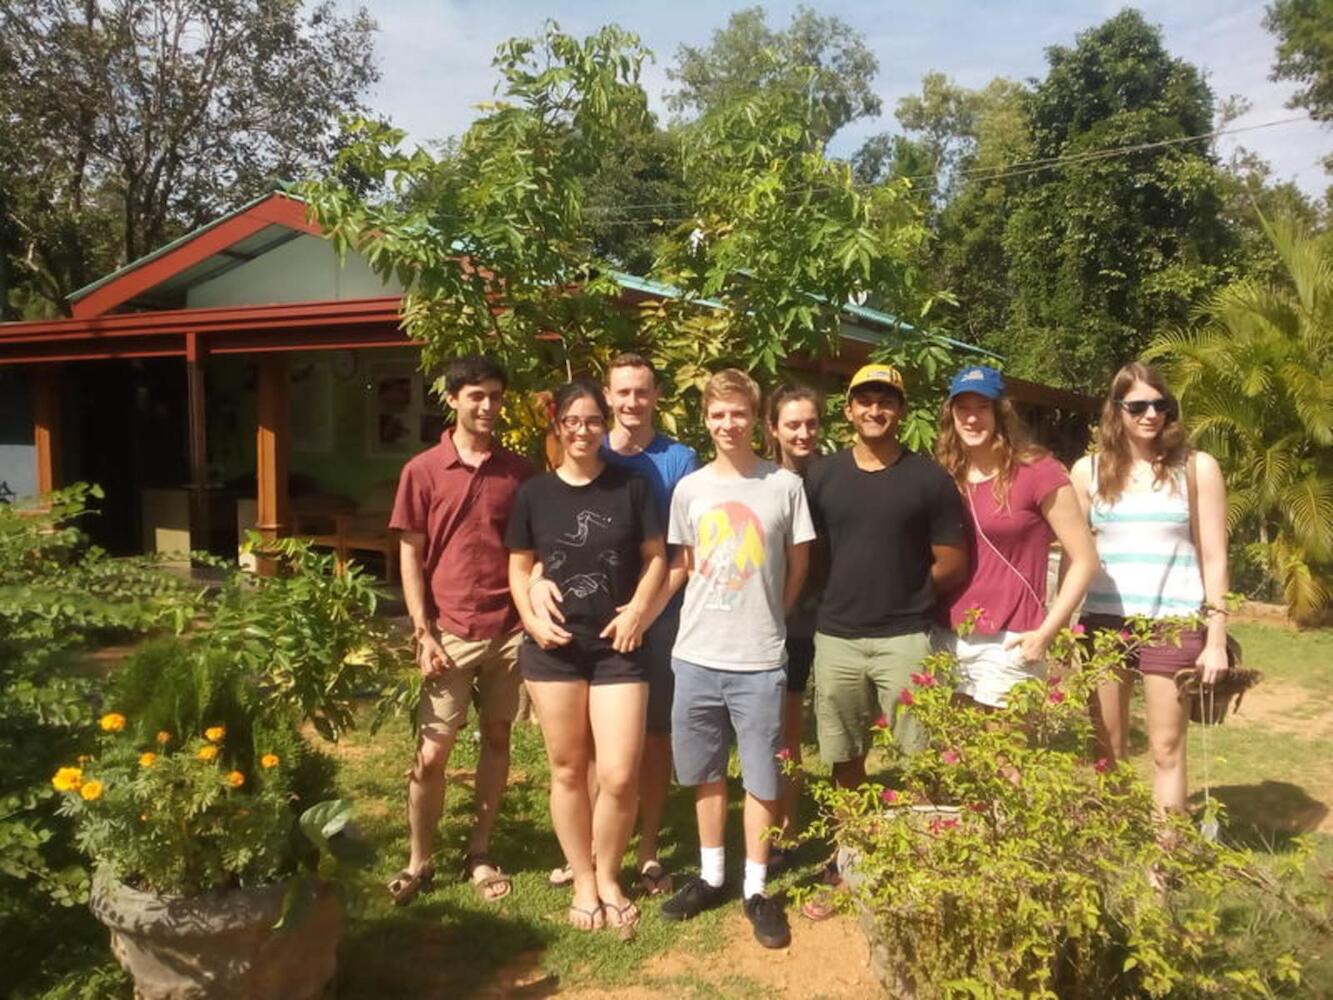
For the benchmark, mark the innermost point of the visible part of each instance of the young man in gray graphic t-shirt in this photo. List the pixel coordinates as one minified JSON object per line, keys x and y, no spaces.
{"x":743,"y":531}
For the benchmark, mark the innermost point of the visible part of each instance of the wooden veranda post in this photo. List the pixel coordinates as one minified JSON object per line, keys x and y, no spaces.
{"x":271,"y":453}
{"x":46,"y":426}
{"x":198,"y":444}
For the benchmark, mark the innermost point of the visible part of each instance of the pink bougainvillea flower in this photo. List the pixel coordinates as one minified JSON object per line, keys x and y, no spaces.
{"x":949,"y":756}
{"x":1126,"y":635}
{"x":905,"y":697}
{"x":1102,"y":766}
{"x":1056,"y":696}
{"x":882,"y":722}
{"x":889,"y":797}
{"x":939,"y":825}
{"x":976,"y":807}
{"x":784,"y":754}
{"x":1080,"y":630}
{"x":924,"y":680}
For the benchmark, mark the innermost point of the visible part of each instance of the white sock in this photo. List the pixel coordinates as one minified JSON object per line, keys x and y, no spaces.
{"x":712,"y":865}
{"x":756,"y":875}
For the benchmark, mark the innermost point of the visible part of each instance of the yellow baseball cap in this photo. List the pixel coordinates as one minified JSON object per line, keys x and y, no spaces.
{"x":881,"y":373}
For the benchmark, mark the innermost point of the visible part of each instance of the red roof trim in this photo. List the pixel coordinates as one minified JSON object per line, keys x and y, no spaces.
{"x":276,"y":209}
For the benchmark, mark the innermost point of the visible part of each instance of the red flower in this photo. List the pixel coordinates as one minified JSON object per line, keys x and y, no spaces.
{"x":889,"y":797}
{"x":882,"y":722}
{"x":1102,"y":766}
{"x":1080,"y":629}
{"x":924,"y":680}
{"x":949,"y":756}
{"x":977,"y":807}
{"x":938,"y":824}
{"x":1056,"y":696}
{"x":784,"y":754}
{"x":1126,"y":635}
{"x":905,"y":697}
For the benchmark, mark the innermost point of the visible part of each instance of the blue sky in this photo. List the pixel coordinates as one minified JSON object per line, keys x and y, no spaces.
{"x":435,"y":54}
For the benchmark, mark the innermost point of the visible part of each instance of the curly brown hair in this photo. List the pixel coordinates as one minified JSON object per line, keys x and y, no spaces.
{"x":1113,"y":452}
{"x":1013,"y":447}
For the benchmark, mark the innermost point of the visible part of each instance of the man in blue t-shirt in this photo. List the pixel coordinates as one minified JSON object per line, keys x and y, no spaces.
{"x":634,"y":442}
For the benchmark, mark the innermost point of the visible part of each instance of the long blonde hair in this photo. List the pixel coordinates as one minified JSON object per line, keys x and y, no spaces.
{"x":1114,"y":458}
{"x":1013,"y":447}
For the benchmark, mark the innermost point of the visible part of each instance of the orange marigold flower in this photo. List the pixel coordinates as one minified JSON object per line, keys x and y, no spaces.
{"x":163,"y":736}
{"x":236,"y":779}
{"x":215,"y":733}
{"x":269,"y":760}
{"x":147,"y":759}
{"x":207,"y":753}
{"x":91,"y":790}
{"x":113,"y":722}
{"x":67,"y":779}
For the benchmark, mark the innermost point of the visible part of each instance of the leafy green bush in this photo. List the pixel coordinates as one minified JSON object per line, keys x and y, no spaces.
{"x":59,"y":597}
{"x":202,"y":768}
{"x":1004,"y":862}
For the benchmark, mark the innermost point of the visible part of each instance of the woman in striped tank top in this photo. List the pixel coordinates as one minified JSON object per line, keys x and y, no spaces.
{"x":1158,"y":515}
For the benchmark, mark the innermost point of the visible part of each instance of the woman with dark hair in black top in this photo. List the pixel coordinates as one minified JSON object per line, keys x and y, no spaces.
{"x":595,"y":529}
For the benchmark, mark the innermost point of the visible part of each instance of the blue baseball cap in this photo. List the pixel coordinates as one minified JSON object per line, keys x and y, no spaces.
{"x":982,"y":380}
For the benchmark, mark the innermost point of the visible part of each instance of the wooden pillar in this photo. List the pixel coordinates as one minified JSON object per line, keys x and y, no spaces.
{"x":271,"y":452}
{"x":46,"y":426}
{"x":198,"y":443}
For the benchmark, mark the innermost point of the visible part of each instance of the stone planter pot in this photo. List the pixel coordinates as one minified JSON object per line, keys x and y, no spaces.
{"x":892,"y":969}
{"x":220,"y":944}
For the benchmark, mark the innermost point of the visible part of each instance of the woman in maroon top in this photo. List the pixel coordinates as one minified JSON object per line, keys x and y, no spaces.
{"x":1018,"y":498}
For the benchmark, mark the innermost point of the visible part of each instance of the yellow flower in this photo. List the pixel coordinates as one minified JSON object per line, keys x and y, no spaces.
{"x":215,"y":733}
{"x":67,"y":779}
{"x":113,"y":722}
{"x":207,"y":753}
{"x":269,"y":760}
{"x":236,"y":779}
{"x":91,"y":790}
{"x":163,"y":737}
{"x":147,"y":759}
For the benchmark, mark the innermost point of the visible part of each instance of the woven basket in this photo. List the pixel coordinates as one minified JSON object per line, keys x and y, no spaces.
{"x":1210,"y":705}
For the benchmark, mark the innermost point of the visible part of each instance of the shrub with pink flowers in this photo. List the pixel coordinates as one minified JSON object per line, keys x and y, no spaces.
{"x":1006,"y":860}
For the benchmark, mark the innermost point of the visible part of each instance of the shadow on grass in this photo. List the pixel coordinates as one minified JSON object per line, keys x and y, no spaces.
{"x":441,"y":949}
{"x":1266,"y":816}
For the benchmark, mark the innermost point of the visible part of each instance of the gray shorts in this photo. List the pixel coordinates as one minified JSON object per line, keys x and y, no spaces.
{"x":709,"y":706}
{"x":657,"y":643}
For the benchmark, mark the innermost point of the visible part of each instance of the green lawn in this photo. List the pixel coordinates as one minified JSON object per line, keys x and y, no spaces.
{"x":1272,"y":767}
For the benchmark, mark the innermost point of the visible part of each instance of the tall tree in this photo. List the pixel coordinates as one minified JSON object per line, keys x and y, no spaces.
{"x":125,"y":122}
{"x":1255,"y":377}
{"x":823,"y":57}
{"x":1304,"y":30}
{"x":1123,"y":235}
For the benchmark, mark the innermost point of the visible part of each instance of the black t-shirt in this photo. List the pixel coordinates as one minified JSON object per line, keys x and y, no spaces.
{"x":587,"y":539}
{"x":879,"y":528}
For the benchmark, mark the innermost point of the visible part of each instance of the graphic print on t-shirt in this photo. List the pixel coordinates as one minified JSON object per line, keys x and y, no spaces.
{"x":730,"y":551}
{"x":585,"y":584}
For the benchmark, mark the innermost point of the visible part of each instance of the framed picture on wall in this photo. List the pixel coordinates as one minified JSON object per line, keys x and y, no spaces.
{"x":404,"y":415}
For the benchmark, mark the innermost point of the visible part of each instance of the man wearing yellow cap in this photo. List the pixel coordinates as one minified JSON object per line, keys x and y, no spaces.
{"x":893,"y":523}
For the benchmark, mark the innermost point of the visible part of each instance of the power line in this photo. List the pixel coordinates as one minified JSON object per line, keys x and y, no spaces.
{"x":1018,"y":169}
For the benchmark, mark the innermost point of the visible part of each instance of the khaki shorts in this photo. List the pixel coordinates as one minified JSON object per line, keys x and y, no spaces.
{"x":857,"y":681}
{"x":490,"y":666}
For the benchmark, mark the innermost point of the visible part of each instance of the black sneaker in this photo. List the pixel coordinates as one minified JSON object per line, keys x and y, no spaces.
{"x":769,"y":922}
{"x":694,"y":897}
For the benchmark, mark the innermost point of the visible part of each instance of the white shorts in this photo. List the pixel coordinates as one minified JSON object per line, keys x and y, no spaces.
{"x":986,"y":670}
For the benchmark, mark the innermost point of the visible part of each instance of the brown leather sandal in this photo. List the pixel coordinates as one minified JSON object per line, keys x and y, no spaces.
{"x":482,"y":886}
{"x":406,"y":885}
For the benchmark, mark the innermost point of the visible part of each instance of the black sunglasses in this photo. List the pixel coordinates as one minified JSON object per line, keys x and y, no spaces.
{"x":1138,"y":407}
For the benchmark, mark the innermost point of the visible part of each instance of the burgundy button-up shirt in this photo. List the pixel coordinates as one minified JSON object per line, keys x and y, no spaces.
{"x":462,"y":511}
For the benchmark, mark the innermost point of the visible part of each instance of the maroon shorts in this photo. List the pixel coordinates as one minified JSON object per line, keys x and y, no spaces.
{"x":1164,"y":658}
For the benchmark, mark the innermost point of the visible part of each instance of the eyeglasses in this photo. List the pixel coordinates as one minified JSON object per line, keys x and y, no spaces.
{"x":1138,"y":407}
{"x":576,"y":423}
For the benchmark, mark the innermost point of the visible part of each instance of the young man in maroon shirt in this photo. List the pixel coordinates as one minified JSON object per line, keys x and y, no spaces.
{"x":451,"y":509}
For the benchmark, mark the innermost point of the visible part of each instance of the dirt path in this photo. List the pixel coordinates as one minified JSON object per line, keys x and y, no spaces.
{"x":826,"y":961}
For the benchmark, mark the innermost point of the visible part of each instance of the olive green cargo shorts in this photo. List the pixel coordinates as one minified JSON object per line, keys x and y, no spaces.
{"x":859,"y":680}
